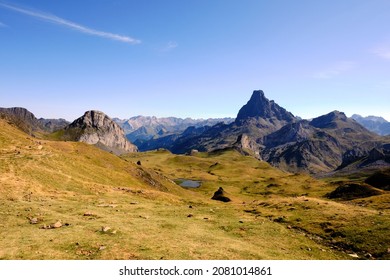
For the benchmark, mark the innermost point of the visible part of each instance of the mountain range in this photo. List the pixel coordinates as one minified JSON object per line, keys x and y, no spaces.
{"x":262,"y":129}
{"x":269,"y":132}
{"x":141,"y":129}
{"x":375,"y":124}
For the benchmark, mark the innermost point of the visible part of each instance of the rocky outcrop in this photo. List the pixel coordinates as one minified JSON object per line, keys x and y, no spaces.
{"x":96,"y":128}
{"x":220,"y":195}
{"x":247,"y":146}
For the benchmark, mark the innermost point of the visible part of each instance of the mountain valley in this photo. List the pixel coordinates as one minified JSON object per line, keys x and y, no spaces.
{"x":292,"y":188}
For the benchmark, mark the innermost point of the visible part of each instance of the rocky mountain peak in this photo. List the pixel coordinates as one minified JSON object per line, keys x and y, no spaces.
{"x":96,"y":128}
{"x":329,"y":120}
{"x":260,"y":107}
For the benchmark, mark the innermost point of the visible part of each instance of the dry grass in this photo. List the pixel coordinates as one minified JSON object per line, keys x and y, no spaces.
{"x":150,"y":217}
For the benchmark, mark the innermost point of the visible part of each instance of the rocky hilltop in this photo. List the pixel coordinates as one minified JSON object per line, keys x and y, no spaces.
{"x":27,"y":122}
{"x":23,"y":119}
{"x":96,"y":128}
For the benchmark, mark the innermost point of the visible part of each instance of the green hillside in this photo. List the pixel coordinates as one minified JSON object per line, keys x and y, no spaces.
{"x":68,"y":200}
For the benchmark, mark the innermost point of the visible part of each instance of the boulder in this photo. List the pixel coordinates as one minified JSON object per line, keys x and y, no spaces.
{"x":220,"y":195}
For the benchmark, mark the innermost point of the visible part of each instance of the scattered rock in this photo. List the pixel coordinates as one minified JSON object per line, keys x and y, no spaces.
{"x":108,"y":205}
{"x":354,"y":256}
{"x":105,"y":229}
{"x":190,"y":216}
{"x":139,"y":162}
{"x":57,"y":225}
{"x":33,"y":221}
{"x":280,"y":220}
{"x":134,"y":203}
{"x":52,"y":226}
{"x":368,"y":256}
{"x":88,"y":214}
{"x":144,"y":217}
{"x":220,"y":195}
{"x":101,"y":248}
{"x":190,"y":206}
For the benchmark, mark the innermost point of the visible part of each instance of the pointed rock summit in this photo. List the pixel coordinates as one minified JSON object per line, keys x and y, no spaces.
{"x":96,"y":128}
{"x":260,"y":107}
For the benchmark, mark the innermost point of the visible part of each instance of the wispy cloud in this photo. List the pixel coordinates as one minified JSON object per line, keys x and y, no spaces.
{"x":171,"y":45}
{"x":382,"y":51}
{"x":2,"y":24}
{"x":72,"y":25}
{"x":335,"y":70}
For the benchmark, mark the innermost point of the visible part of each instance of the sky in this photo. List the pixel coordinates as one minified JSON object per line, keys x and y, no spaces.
{"x":195,"y":58}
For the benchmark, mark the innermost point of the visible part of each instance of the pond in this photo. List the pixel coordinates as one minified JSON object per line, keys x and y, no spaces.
{"x":186,"y":183}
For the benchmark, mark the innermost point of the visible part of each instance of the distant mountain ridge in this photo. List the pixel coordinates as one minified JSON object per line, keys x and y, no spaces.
{"x":141,"y":128}
{"x":375,"y":124}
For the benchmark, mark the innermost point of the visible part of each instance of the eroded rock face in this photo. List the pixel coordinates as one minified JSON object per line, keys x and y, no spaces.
{"x":246,"y":145}
{"x":96,"y":128}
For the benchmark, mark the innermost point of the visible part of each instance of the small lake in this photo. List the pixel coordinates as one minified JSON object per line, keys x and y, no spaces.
{"x":186,"y":183}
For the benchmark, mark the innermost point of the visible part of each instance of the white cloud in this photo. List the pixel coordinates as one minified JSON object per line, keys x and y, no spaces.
{"x":382,"y":51}
{"x":2,"y":24}
{"x":335,"y":70}
{"x":71,"y":25}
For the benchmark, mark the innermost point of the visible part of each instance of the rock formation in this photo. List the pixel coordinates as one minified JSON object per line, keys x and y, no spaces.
{"x":96,"y":128}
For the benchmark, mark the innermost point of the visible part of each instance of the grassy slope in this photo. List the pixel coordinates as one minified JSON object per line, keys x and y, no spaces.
{"x":295,"y":201}
{"x":147,"y":213}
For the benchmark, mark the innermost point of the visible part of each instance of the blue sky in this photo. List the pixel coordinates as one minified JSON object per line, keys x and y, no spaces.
{"x":195,"y":58}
